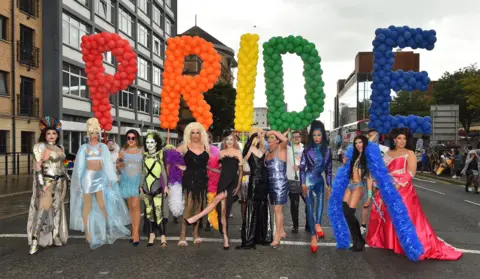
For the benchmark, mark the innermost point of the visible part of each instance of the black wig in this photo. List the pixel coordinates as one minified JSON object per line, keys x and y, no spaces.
{"x":362,"y":164}
{"x":402,"y":131}
{"x":318,"y":125}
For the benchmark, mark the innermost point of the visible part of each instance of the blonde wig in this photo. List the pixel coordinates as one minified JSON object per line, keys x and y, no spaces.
{"x":187,"y":135}
{"x":255,"y":140}
{"x":235,"y":141}
{"x":93,"y":126}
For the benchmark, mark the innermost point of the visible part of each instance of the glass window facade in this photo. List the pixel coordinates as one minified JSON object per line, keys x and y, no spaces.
{"x":354,"y":101}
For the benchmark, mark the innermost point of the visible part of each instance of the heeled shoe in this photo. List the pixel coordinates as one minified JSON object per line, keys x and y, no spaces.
{"x":320,"y":234}
{"x":314,"y":248}
{"x":188,"y":223}
{"x":226,"y":248}
{"x":135,"y":243}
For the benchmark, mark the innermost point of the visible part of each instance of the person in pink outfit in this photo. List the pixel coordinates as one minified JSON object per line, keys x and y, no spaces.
{"x":213,"y":171}
{"x":402,"y":165}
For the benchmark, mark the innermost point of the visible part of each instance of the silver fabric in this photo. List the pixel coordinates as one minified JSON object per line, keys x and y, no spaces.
{"x":53,"y":221}
{"x":92,"y":181}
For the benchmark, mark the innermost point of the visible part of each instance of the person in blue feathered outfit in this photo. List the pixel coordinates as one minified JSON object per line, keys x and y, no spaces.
{"x":397,"y":210}
{"x":96,"y":206}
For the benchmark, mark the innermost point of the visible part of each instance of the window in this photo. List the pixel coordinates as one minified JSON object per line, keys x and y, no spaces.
{"x":26,"y":101}
{"x":156,"y":106}
{"x":143,"y":35}
{"x":143,"y":69}
{"x":30,"y":7}
{"x":143,"y":5}
{"x":126,"y":22}
{"x":74,"y":81}
{"x":27,"y":140}
{"x":111,"y":99}
{"x":3,"y":83}
{"x":157,"y":45}
{"x":3,"y":141}
{"x":157,"y":15}
{"x":83,"y":2}
{"x":168,"y":26}
{"x":3,"y":28}
{"x":143,"y":102}
{"x":107,"y":56}
{"x":168,"y":2}
{"x":157,"y":76}
{"x":126,"y":99}
{"x":72,"y":31}
{"x":106,"y":10}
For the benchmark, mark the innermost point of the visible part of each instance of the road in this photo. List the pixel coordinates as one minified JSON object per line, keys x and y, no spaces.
{"x":453,"y":214}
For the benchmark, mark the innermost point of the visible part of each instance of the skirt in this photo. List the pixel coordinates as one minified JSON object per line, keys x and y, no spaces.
{"x":92,"y":181}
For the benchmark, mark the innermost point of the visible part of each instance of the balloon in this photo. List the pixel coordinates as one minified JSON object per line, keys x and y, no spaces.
{"x":312,"y":73}
{"x":384,"y":79}
{"x":192,"y":88}
{"x":247,"y":60}
{"x":101,"y":84}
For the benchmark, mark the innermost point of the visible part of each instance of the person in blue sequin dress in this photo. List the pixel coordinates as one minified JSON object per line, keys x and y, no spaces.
{"x":276,"y":163}
{"x":316,"y":159}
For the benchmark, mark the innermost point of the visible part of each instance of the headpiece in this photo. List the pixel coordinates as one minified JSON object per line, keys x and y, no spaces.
{"x":50,"y":123}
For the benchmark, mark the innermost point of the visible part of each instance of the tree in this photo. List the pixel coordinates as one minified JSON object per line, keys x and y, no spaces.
{"x":471,"y":84}
{"x":221,"y":99}
{"x":457,"y":88}
{"x":416,"y":103}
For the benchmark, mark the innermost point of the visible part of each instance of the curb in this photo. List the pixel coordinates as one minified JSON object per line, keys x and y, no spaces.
{"x":451,"y":181}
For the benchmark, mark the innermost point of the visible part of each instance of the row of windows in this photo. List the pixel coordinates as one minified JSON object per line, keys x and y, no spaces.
{"x":73,"y":30}
{"x":75,"y":84}
{"x":144,"y":71}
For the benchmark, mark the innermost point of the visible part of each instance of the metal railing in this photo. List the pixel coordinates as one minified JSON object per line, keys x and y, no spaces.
{"x":16,"y":164}
{"x":29,"y":7}
{"x":28,"y":54}
{"x":28,"y":106}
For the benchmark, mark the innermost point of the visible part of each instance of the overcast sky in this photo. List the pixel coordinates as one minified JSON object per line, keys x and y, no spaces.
{"x":339,"y":30}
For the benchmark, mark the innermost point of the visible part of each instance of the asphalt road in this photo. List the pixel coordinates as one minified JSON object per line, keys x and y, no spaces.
{"x":454,"y":214}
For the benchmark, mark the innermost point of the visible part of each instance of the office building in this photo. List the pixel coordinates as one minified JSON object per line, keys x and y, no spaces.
{"x":146,"y":24}
{"x":260,"y":118}
{"x":21,"y":62}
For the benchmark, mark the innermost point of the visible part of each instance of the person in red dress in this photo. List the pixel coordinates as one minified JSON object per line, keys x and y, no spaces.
{"x":402,"y":165}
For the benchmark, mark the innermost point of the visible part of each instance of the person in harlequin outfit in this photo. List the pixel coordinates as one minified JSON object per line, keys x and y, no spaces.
{"x":316,"y":160}
{"x":154,"y":188}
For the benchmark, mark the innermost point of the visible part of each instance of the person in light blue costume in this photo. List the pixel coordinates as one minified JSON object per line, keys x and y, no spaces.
{"x":129,"y":163}
{"x":96,"y":206}
{"x":316,"y":159}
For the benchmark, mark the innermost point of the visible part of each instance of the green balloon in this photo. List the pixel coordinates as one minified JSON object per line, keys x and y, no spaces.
{"x":277,"y":116}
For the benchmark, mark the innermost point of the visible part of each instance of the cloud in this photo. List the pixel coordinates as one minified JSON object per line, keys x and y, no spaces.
{"x":339,"y":30}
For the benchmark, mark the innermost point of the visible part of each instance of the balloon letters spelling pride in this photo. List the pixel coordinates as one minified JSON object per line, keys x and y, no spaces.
{"x":191,"y":87}
{"x":247,"y":72}
{"x":101,"y":84}
{"x":384,"y":79}
{"x":277,"y":115}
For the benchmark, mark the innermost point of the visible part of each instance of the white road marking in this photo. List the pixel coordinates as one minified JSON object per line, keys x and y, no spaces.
{"x":416,"y":186}
{"x":220,"y":240}
{"x":424,"y":180}
{"x":473,"y":202}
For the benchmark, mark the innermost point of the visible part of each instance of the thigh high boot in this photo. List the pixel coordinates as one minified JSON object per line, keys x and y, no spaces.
{"x":42,"y":214}
{"x":354,"y":226}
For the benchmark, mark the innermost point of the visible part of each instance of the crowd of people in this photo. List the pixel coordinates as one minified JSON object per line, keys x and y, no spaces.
{"x":196,"y":179}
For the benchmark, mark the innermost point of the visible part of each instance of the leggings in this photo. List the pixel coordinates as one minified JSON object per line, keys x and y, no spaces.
{"x":318,"y":189}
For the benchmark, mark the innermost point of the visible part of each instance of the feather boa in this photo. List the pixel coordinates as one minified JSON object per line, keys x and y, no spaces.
{"x":173,"y":158}
{"x":397,"y":210}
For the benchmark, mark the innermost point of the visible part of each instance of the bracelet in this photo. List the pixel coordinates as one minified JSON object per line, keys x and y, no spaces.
{"x":369,"y":193}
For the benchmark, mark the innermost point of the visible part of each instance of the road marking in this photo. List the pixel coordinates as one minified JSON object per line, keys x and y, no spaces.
{"x":220,"y":240}
{"x":424,"y":180}
{"x":473,"y":202}
{"x":416,"y":186}
{"x":15,"y":194}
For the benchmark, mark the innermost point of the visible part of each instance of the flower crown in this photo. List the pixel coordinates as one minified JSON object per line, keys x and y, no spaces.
{"x":50,"y":123}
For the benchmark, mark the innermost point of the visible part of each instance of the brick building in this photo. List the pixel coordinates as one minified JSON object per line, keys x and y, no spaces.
{"x":21,"y":81}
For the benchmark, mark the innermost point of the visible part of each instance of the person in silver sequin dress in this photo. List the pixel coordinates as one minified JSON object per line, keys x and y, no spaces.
{"x":47,"y":223}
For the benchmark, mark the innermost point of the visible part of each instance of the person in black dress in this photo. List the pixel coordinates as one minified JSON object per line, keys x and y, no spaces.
{"x":257,"y":222}
{"x":228,"y":184}
{"x":195,"y":150}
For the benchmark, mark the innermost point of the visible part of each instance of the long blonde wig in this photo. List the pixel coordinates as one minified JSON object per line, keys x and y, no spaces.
{"x":93,"y":126}
{"x":256,"y":140}
{"x":187,"y":135}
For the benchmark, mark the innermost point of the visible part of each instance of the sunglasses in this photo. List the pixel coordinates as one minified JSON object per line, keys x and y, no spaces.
{"x":130,"y":138}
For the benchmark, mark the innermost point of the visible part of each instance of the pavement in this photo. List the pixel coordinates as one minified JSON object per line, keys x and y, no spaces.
{"x":453,"y":213}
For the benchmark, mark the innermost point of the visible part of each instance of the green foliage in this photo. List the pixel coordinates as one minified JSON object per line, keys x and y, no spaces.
{"x":221,"y":99}
{"x":461,"y":88}
{"x":416,"y":103}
